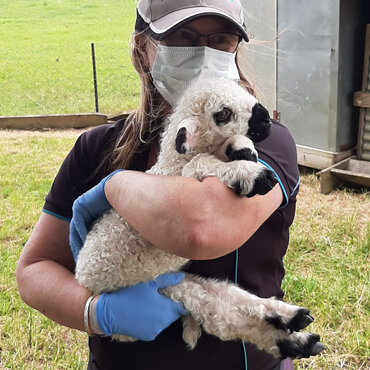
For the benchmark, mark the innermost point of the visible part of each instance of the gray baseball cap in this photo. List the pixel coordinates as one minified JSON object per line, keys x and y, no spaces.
{"x":161,"y":17}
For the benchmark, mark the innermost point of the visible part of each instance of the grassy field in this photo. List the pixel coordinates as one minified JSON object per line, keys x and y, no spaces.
{"x":327,"y":270}
{"x":45,"y":68}
{"x":27,"y":339}
{"x":45,"y":56}
{"x":327,"y":263}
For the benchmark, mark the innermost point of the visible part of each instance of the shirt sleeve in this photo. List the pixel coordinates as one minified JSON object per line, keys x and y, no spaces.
{"x":278,"y":152}
{"x":77,"y":172}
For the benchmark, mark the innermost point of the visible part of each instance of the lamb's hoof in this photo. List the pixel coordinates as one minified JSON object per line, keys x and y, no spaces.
{"x":265,"y":181}
{"x":299,"y":321}
{"x":240,"y":154}
{"x":311,"y":346}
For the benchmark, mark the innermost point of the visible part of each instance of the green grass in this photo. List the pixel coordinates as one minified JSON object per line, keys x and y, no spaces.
{"x":327,"y":270}
{"x":45,"y":56}
{"x":326,"y":265}
{"x":27,"y":339}
{"x":45,"y":68}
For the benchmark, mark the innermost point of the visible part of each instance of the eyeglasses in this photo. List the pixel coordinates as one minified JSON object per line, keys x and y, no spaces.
{"x":224,"y":41}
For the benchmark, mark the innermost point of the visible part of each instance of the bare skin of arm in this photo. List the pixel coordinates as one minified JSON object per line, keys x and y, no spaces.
{"x":196,"y":220}
{"x":213,"y":221}
{"x":44,"y":274}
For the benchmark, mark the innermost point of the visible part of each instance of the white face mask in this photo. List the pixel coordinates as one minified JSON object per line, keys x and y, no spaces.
{"x":176,"y":67}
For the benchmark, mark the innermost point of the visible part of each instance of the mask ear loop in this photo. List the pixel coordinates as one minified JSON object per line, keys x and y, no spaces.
{"x":152,"y":42}
{"x":236,"y":282}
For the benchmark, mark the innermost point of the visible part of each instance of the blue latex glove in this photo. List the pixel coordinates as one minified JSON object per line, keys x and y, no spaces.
{"x":86,"y":209}
{"x":139,"y":311}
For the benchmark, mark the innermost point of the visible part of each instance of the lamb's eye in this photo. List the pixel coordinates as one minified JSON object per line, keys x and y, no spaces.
{"x":223,"y":117}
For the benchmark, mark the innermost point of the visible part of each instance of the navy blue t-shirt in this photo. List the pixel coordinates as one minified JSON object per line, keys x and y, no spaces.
{"x":257,"y":265}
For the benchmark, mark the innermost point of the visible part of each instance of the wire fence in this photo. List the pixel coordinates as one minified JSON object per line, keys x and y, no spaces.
{"x":59,"y":79}
{"x":45,"y":56}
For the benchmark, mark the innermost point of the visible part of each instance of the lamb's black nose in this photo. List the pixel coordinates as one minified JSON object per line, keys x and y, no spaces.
{"x":259,"y":123}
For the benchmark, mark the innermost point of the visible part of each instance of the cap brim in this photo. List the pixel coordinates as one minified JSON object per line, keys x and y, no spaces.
{"x":168,"y":23}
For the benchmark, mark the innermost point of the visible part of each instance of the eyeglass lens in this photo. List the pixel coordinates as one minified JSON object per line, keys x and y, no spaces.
{"x":223,"y":41}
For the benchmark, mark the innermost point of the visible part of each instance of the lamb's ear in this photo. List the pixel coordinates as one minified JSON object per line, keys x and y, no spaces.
{"x":187,"y":135}
{"x":259,"y":123}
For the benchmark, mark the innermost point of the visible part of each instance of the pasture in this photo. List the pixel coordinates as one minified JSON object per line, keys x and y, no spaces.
{"x":326,"y":264}
{"x":45,"y":68}
{"x":45,"y":56}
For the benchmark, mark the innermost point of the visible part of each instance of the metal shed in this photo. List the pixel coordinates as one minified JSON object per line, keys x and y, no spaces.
{"x":307,"y":59}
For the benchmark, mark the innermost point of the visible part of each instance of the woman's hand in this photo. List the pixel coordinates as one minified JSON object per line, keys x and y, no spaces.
{"x":139,"y":311}
{"x":86,"y":209}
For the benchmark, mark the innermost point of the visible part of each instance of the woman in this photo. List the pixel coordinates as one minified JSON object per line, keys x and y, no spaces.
{"x":227,"y":237}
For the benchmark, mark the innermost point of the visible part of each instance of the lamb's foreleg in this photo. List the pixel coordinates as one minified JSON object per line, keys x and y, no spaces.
{"x":237,"y":147}
{"x":246,"y":178}
{"x":230,"y":313}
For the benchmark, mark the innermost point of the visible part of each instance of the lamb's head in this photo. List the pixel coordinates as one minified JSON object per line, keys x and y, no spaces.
{"x":211,"y":111}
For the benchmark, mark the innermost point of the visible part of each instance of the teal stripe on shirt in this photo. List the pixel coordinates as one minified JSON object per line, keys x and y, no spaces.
{"x":56,"y":215}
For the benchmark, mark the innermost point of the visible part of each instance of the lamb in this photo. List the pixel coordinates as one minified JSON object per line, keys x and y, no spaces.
{"x":209,"y":133}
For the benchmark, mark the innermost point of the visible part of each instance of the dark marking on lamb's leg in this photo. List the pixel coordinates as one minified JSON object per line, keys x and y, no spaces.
{"x":296,"y":349}
{"x":241,"y":154}
{"x":237,"y":188}
{"x":265,"y":181}
{"x":181,"y":140}
{"x":299,"y":321}
{"x":276,"y":321}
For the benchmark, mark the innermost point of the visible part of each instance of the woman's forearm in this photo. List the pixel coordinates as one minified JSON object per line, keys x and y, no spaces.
{"x":156,"y":206}
{"x":41,"y":289}
{"x":44,"y":274}
{"x":197,"y":220}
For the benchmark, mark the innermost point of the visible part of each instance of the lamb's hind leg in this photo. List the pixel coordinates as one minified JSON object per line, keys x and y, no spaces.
{"x":229,"y":313}
{"x":191,"y":331}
